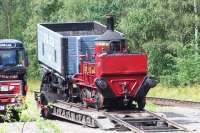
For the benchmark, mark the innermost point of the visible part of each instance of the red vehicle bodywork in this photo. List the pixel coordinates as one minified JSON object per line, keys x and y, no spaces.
{"x":122,"y":68}
{"x":12,"y":91}
{"x":121,"y":64}
{"x":116,"y":69}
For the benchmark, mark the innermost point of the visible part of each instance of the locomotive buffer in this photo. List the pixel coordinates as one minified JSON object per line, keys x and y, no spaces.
{"x":123,"y":120}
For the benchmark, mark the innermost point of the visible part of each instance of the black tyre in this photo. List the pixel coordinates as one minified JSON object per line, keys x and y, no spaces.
{"x":99,"y":98}
{"x":84,"y":94}
{"x":141,"y":103}
{"x":46,"y":113}
{"x":15,"y":115}
{"x":43,"y":99}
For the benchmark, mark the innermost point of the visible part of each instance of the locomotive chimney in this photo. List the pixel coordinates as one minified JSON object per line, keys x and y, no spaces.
{"x":110,"y":23}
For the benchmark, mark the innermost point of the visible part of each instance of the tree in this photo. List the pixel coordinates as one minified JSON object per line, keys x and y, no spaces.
{"x":165,"y":29}
{"x":14,"y":14}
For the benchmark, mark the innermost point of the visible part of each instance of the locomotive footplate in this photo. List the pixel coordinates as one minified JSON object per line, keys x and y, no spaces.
{"x":128,"y":120}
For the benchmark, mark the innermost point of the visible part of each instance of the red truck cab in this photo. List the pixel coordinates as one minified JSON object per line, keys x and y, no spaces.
{"x":13,"y":85}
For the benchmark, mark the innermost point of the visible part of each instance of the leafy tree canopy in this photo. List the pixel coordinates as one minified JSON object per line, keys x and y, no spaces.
{"x":164,"y":29}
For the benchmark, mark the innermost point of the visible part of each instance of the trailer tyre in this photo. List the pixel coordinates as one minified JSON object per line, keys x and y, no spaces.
{"x":15,"y":115}
{"x":45,"y":113}
{"x":141,"y":102}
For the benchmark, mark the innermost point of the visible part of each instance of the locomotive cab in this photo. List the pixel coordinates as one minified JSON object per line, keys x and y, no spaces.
{"x":118,"y":46}
{"x":111,"y":47}
{"x":111,"y":41}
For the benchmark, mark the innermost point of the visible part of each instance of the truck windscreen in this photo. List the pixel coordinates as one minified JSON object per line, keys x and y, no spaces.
{"x":10,"y":57}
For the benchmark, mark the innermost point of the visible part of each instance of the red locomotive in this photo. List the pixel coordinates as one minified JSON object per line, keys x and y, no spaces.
{"x":106,"y":75}
{"x":116,"y":77}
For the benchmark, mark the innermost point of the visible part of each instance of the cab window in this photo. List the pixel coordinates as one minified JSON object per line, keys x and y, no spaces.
{"x":20,"y":55}
{"x":118,"y":46}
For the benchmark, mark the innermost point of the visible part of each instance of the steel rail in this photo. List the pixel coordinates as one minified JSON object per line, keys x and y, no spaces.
{"x":131,"y":122}
{"x":170,"y":122}
{"x":125,"y":124}
{"x":172,"y":102}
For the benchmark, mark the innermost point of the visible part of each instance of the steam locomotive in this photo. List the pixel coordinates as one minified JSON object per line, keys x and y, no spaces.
{"x":90,"y":63}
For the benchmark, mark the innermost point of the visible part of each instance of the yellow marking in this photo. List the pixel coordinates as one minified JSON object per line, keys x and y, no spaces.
{"x":93,"y":70}
{"x":102,"y":44}
{"x":85,"y":68}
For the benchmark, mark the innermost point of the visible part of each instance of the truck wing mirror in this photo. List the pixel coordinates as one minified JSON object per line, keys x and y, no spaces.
{"x":26,"y":63}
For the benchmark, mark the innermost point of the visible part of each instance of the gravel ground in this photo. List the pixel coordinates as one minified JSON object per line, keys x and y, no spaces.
{"x":188,"y":117}
{"x":65,"y":127}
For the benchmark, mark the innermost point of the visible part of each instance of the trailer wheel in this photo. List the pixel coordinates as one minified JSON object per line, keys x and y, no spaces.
{"x":15,"y":115}
{"x":45,"y":113}
{"x":43,"y":99}
{"x":141,"y":102}
{"x":84,"y":95}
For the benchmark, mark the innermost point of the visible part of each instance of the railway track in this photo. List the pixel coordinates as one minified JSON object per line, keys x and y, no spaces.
{"x":144,"y":122}
{"x":123,"y":120}
{"x":172,"y":102}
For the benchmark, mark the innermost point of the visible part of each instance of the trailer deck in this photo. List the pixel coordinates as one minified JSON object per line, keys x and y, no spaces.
{"x":123,"y":120}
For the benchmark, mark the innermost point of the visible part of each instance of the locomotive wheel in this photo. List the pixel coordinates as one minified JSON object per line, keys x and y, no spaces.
{"x":99,"y":99}
{"x":85,"y":93}
{"x":44,"y":110}
{"x":68,"y":97}
{"x":141,"y":102}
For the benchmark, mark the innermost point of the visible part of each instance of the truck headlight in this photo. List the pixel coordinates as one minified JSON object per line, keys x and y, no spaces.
{"x":11,"y":87}
{"x":101,"y":83}
{"x":4,"y":88}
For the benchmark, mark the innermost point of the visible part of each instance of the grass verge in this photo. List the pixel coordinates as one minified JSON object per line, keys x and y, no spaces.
{"x":32,"y":112}
{"x":3,"y":127}
{"x":47,"y":126}
{"x":191,"y":93}
{"x":181,"y":93}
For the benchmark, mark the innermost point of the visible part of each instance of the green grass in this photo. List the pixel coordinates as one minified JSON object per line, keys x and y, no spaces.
{"x":47,"y":126}
{"x":3,"y":127}
{"x":33,"y":85}
{"x":32,"y":112}
{"x":182,"y":93}
{"x":151,"y":107}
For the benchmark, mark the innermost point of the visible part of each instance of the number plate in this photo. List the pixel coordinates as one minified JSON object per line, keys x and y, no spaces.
{"x":4,"y":88}
{"x":2,"y":107}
